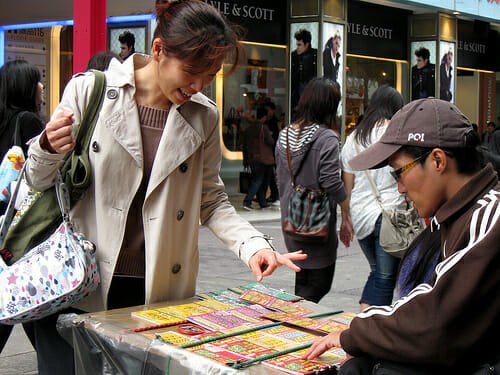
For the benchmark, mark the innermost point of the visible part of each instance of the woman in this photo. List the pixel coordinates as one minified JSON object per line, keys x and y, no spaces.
{"x":21,"y":96}
{"x":365,"y":210}
{"x":314,"y":133}
{"x":158,"y":136}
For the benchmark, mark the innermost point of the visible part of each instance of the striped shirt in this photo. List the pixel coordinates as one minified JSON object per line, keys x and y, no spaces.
{"x":298,"y":138}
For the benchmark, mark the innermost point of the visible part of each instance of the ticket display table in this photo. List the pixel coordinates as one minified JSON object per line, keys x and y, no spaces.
{"x":111,"y":342}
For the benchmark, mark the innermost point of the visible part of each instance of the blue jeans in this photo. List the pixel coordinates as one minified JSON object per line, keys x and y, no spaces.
{"x":381,"y":281}
{"x":261,"y":174}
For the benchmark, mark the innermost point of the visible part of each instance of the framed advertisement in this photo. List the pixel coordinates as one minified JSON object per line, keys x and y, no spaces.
{"x":139,"y":32}
{"x":446,"y":71}
{"x":333,"y":66}
{"x":423,"y":69}
{"x":303,"y":58}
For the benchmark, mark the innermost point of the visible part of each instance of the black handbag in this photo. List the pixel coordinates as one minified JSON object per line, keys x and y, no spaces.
{"x":308,"y":218}
{"x":245,"y":178}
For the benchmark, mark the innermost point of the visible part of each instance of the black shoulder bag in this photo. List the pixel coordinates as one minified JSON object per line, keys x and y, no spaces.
{"x":308,"y":216}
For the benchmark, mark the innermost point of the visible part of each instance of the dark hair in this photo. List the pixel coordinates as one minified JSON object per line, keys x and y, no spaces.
{"x":470,"y":159}
{"x":385,"y":102}
{"x":197,"y":33}
{"x":127,"y":38}
{"x":303,"y":35}
{"x":318,"y":103}
{"x":18,"y":89}
{"x":491,"y":123}
{"x":100,"y":61}
{"x":261,"y":112}
{"x":423,"y":53}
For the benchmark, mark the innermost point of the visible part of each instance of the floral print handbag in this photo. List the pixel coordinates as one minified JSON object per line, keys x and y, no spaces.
{"x":52,"y":276}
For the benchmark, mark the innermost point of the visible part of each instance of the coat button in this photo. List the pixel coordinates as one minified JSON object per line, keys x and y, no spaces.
{"x":112,"y":94}
{"x":180,"y":215}
{"x":183,"y":167}
{"x":176,"y":268}
{"x":95,"y":146}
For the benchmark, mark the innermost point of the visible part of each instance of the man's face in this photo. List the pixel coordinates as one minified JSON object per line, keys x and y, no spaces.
{"x":125,"y":50}
{"x":421,"y":62}
{"x":336,"y":45}
{"x":420,"y":184}
{"x":301,"y":47}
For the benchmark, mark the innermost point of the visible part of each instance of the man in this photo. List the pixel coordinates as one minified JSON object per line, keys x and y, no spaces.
{"x":490,"y":128}
{"x":258,"y":154}
{"x":331,"y":58}
{"x":451,"y":326}
{"x":422,"y":75}
{"x":494,"y":139}
{"x":446,"y":77}
{"x":303,"y":66}
{"x":127,"y":44}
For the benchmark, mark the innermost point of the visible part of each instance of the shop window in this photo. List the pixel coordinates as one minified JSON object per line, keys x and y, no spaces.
{"x":258,"y":80}
{"x":364,"y":76}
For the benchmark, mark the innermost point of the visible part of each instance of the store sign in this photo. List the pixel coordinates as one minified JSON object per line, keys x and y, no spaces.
{"x":476,"y":45}
{"x":484,"y":8}
{"x":264,"y":21}
{"x":374,"y":30}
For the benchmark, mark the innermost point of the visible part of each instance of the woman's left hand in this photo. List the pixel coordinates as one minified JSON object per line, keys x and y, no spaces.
{"x":265,"y":261}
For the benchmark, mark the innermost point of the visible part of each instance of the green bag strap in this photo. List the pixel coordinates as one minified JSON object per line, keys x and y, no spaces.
{"x":44,"y":214}
{"x":76,"y":169}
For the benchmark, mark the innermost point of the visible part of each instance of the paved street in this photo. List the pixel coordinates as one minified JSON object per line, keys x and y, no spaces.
{"x":220,"y":269}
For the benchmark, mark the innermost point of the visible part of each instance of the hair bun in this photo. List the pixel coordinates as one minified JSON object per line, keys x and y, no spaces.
{"x":163,"y":5}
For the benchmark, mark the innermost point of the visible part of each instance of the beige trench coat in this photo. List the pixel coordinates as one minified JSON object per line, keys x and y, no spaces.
{"x":177,"y":199}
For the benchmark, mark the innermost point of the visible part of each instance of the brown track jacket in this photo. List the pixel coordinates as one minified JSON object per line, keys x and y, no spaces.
{"x":455,"y":323}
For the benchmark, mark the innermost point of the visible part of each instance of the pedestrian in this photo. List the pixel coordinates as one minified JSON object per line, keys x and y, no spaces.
{"x":272,"y":123}
{"x":100,"y":61}
{"x":258,"y":155}
{"x":365,"y":209}
{"x":155,"y":156}
{"x":451,"y":325}
{"x":313,"y":142}
{"x":21,"y":97}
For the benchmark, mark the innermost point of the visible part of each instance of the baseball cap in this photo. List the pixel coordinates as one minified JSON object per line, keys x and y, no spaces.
{"x":428,"y":122}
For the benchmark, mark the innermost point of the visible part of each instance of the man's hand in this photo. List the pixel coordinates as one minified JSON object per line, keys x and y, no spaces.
{"x":265,"y":261}
{"x":323,"y":344}
{"x":58,"y":137}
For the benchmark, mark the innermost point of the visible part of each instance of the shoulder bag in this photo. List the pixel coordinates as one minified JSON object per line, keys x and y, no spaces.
{"x":42,"y":215}
{"x":308,"y":216}
{"x":53,"y":275}
{"x":399,"y":226}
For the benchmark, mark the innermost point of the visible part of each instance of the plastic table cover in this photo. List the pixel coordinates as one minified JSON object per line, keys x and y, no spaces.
{"x":105,"y":343}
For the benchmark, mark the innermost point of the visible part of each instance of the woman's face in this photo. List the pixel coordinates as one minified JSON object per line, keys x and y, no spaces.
{"x":39,"y":95}
{"x":175,"y":82}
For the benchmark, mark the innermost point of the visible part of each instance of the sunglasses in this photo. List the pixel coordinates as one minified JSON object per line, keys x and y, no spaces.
{"x":396,"y":174}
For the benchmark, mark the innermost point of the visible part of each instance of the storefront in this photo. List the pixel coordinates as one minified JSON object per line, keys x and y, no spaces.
{"x":376,"y":54}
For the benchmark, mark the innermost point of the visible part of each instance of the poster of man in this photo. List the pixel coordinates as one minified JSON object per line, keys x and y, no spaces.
{"x":446,"y":74}
{"x":332,"y":54}
{"x":303,"y":65}
{"x":423,"y":71}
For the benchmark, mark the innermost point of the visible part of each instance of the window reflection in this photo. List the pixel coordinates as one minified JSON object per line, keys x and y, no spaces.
{"x":258,"y":82}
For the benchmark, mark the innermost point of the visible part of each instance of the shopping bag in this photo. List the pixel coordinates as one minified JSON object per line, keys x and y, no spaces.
{"x":245,"y":178}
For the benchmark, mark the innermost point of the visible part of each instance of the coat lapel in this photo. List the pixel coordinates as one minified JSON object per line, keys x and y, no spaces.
{"x":178,"y":142}
{"x":124,"y":125}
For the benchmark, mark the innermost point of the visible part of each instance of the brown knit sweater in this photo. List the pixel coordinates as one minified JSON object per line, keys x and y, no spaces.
{"x":131,"y":261}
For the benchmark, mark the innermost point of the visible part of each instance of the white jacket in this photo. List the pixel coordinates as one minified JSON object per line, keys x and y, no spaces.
{"x":177,"y":199}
